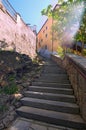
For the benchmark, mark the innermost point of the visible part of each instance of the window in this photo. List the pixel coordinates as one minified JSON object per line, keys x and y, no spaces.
{"x":46,"y":27}
{"x":44,"y":31}
{"x":45,"y":46}
{"x":41,"y":40}
{"x":46,"y":35}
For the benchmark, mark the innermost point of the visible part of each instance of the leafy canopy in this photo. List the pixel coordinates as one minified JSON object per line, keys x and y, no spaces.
{"x":70,"y":17}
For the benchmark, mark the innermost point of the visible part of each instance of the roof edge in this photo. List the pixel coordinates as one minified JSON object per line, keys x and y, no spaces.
{"x":42,"y":26}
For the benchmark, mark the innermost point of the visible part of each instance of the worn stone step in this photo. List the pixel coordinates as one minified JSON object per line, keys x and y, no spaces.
{"x":50,"y":77}
{"x":52,"y":81}
{"x":51,"y":90}
{"x":51,"y":96}
{"x":50,"y":105}
{"x":54,"y":71}
{"x":51,"y":64}
{"x":53,"y":75}
{"x":57,"y":85}
{"x":53,"y":68}
{"x":52,"y":117}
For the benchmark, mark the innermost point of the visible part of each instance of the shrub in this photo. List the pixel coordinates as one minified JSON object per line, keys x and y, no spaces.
{"x":60,"y":51}
{"x":10,"y":89}
{"x":84,"y":52}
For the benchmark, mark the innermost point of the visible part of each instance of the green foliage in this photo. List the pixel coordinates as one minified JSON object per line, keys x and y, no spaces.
{"x":81,"y":33}
{"x":24,"y":78}
{"x":67,"y":15}
{"x":69,"y":50}
{"x":11,"y":78}
{"x":60,"y":51}
{"x":84,"y":52}
{"x":35,"y":60}
{"x":47,"y":11}
{"x":10,"y":89}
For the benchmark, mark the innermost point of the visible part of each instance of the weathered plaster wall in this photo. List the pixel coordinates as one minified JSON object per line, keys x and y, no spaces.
{"x":16,"y":34}
{"x":76,"y":69}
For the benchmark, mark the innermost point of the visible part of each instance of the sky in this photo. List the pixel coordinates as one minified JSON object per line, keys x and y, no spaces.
{"x":30,"y":10}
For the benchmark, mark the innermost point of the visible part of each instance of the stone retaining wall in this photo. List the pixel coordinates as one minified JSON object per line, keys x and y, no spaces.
{"x":57,"y":59}
{"x":76,"y":69}
{"x":15,"y":34}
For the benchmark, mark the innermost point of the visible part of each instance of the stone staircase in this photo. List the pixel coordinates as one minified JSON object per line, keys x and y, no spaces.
{"x":50,"y":99}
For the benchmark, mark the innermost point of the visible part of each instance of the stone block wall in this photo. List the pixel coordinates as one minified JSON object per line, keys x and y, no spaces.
{"x":16,"y":34}
{"x":57,"y":59}
{"x":76,"y":69}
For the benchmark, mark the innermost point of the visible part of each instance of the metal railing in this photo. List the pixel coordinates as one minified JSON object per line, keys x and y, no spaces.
{"x":9,"y":9}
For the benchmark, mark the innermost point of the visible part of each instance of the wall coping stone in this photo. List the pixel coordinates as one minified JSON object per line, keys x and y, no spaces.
{"x":56,"y":55}
{"x":78,"y":61}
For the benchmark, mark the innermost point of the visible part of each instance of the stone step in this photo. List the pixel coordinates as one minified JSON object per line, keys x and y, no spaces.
{"x":52,"y":81}
{"x":53,"y":75}
{"x":55,"y":72}
{"x":53,"y":68}
{"x":51,"y":64}
{"x":50,"y":105}
{"x":52,"y":117}
{"x":51,"y":90}
{"x":50,"y":96}
{"x":57,"y":85}
{"x":50,"y":77}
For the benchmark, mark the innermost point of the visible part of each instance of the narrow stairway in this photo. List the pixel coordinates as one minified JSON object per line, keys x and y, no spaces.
{"x":50,"y":99}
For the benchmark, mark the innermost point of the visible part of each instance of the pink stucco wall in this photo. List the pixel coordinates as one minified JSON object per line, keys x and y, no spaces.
{"x":17,"y":33}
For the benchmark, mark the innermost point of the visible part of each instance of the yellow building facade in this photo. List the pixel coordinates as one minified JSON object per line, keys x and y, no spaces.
{"x":45,"y":37}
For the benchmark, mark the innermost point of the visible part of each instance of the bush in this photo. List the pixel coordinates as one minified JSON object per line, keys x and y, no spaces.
{"x":10,"y":89}
{"x":69,"y":50}
{"x":60,"y":51}
{"x":11,"y":78}
{"x":84,"y":52}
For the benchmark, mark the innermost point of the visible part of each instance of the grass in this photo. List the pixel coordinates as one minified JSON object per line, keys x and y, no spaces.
{"x":12,"y":89}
